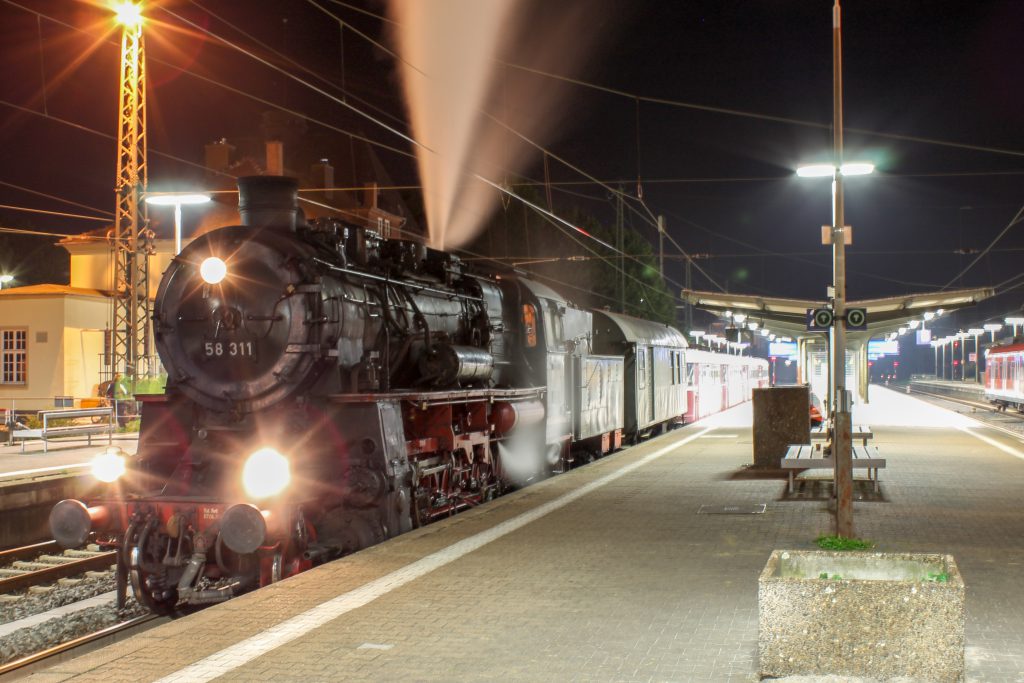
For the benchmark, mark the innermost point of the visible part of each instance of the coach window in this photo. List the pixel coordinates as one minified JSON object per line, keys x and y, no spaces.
{"x":13,"y":356}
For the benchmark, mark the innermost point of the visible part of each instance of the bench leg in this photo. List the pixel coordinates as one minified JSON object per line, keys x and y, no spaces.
{"x":791,"y":481}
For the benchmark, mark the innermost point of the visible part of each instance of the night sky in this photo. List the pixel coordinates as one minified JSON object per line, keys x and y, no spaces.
{"x":949,"y":72}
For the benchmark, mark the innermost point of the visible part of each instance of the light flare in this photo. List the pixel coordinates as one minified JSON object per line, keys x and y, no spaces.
{"x":213,"y":270}
{"x":109,"y":466}
{"x":266,"y":473}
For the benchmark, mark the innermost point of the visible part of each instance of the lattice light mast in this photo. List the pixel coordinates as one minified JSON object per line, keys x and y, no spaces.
{"x":132,"y":244}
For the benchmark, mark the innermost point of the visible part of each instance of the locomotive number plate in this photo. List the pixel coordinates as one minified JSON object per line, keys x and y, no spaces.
{"x":230,"y":349}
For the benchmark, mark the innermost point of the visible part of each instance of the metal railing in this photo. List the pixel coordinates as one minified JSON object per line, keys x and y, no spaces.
{"x":50,"y":431}
{"x":19,"y":413}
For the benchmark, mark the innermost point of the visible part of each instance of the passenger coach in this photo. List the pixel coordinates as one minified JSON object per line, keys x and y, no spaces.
{"x":1004,"y":376}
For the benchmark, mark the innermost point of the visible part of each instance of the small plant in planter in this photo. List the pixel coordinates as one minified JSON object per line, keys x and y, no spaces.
{"x":841,"y":543}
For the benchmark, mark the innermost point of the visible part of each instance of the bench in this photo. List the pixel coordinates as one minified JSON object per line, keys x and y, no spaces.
{"x":51,"y":432}
{"x":806,"y":457}
{"x":862,"y":432}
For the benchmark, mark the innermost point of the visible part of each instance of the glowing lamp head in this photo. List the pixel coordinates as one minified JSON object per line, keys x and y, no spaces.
{"x":266,"y":473}
{"x":127,"y":13}
{"x":109,"y":465}
{"x":213,"y":270}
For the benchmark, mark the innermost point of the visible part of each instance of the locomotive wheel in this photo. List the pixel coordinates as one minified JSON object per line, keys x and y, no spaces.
{"x":149,"y":587}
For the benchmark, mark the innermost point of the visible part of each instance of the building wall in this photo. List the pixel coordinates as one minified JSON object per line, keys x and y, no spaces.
{"x":91,"y":264}
{"x":85,"y":320}
{"x":43,"y":318}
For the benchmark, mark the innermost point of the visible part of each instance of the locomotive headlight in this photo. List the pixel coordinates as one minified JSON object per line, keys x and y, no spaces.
{"x":213,"y":270}
{"x":109,"y":465}
{"x":266,"y":473}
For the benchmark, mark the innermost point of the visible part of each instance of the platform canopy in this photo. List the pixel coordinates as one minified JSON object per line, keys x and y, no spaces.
{"x":789,"y":316}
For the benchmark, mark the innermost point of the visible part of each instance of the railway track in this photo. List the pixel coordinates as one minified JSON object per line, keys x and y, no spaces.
{"x":54,"y":602}
{"x":92,"y":641}
{"x":1009,"y":422}
{"x":43,"y":563}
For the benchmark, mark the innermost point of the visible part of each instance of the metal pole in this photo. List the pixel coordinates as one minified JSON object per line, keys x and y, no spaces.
{"x":977,"y":361}
{"x":620,"y":225}
{"x":963,"y":358}
{"x":841,"y":423}
{"x":661,"y":247}
{"x":689,"y":287}
{"x":935,"y":348}
{"x":177,"y":229}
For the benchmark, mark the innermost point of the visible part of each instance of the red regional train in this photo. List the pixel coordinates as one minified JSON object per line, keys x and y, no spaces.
{"x":1004,"y":376}
{"x":329,"y":389}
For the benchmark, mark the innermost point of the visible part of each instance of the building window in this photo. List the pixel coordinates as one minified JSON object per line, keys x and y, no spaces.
{"x":13,"y":356}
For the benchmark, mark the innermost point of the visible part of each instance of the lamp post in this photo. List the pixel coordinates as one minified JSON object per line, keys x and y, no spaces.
{"x":841,"y":417}
{"x":976,"y":332}
{"x":177,"y":201}
{"x":5,"y":279}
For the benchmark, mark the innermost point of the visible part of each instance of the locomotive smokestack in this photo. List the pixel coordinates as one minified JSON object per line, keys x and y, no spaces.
{"x":268,"y":201}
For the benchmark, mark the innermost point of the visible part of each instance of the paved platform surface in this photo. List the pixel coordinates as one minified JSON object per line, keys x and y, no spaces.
{"x":609,"y":573}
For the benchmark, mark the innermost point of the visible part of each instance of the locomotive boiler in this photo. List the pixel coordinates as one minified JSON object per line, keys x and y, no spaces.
{"x":326,"y":390}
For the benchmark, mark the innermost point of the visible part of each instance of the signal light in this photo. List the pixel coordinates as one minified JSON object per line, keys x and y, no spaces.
{"x":895,"y":363}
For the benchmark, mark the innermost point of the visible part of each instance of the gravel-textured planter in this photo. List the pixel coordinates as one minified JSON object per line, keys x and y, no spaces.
{"x":881,"y":615}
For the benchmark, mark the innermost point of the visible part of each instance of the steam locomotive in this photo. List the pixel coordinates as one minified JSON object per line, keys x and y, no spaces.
{"x":328,"y":389}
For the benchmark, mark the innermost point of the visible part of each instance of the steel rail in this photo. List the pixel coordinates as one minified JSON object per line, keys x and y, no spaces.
{"x":57,"y":571}
{"x":42,"y":655}
{"x":27,"y":551}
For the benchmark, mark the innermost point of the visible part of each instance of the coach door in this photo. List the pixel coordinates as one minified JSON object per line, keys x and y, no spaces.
{"x":644,"y":387}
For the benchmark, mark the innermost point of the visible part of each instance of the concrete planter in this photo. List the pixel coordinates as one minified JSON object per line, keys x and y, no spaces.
{"x":880,"y":615}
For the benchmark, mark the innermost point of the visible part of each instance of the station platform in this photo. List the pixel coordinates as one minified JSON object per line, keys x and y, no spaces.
{"x":64,"y":457}
{"x":642,"y":566}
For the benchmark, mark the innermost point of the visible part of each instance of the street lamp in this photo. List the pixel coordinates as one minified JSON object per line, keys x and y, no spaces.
{"x":828,"y":170}
{"x":841,"y":425}
{"x":1014,"y":322}
{"x":4,"y":279}
{"x":993,"y":328}
{"x":177,"y":201}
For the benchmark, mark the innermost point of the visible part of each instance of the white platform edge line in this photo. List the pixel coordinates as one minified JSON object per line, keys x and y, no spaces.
{"x":41,"y":470}
{"x":243,"y":652}
{"x":991,"y":442}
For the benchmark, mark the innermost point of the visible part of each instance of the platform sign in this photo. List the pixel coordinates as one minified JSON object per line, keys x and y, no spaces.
{"x":782,"y":349}
{"x":924,"y":337}
{"x":879,"y":347}
{"x":856,"y":318}
{"x":819,"y":319}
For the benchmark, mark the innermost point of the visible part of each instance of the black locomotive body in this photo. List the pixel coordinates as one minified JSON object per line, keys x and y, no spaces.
{"x":328,"y":389}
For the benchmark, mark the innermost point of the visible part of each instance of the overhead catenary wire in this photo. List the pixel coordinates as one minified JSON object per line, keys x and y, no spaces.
{"x":718,"y":110}
{"x":1017,"y":218}
{"x":28,"y":190}
{"x":61,"y":214}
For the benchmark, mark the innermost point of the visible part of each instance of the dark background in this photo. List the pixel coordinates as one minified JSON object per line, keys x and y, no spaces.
{"x":947,"y":72}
